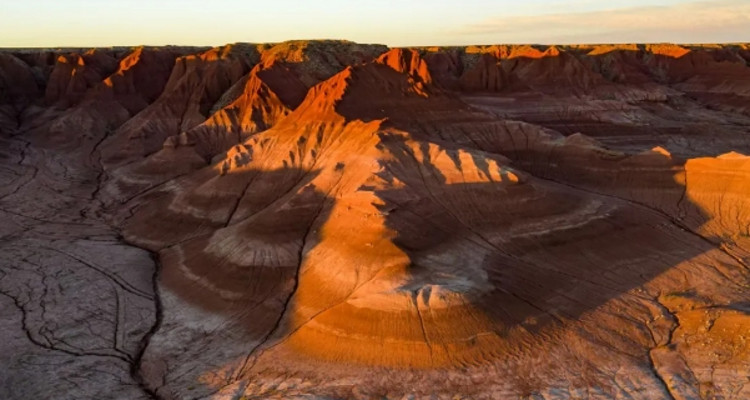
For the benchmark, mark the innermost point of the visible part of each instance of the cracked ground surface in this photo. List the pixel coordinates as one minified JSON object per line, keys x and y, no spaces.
{"x":77,"y":302}
{"x":329,"y":220}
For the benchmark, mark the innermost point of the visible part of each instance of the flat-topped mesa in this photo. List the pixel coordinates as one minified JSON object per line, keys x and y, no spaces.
{"x":581,"y":68}
{"x":510,"y":68}
{"x":697,"y":69}
{"x":314,"y":61}
{"x":507,"y":52}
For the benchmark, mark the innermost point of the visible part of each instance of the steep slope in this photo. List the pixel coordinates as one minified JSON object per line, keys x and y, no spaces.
{"x":388,"y":229}
{"x":194,"y":86}
{"x":275,"y":86}
{"x":18,"y":89}
{"x":140,"y":76}
{"x":73,"y":74}
{"x":336,"y":220}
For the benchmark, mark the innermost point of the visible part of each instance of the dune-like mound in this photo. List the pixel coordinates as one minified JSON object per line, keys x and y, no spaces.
{"x":333,"y":220}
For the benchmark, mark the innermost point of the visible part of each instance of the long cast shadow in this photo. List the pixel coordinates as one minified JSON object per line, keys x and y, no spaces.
{"x":530,"y":253}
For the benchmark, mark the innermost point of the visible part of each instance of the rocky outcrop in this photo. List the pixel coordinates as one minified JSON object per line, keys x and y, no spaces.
{"x":335,"y":220}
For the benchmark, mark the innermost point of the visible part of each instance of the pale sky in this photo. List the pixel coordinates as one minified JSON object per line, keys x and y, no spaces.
{"x":88,"y":23}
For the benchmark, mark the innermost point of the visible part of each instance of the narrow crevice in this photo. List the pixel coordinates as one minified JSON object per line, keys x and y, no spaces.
{"x":21,"y":161}
{"x":674,"y":325}
{"x":246,"y":366}
{"x":154,"y":188}
{"x":135,"y":362}
{"x":46,"y":221}
{"x":237,"y":202}
{"x":658,"y":376}
{"x":124,"y":285}
{"x":652,"y":364}
{"x":136,"y":366}
{"x":101,"y":174}
{"x":415,"y":301}
{"x":51,"y":346}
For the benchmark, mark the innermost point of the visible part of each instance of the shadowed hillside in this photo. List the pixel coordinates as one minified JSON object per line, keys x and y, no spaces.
{"x":336,"y":220}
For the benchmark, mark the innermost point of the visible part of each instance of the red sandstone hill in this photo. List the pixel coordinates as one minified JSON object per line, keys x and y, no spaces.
{"x":336,"y":220}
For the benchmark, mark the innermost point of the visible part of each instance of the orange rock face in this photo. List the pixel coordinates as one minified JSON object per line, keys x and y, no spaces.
{"x":335,"y":220}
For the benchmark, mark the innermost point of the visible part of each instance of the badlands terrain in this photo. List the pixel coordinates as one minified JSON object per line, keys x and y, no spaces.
{"x":332,"y":220}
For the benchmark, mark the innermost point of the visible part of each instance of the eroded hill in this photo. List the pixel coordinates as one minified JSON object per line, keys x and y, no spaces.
{"x":335,"y":220}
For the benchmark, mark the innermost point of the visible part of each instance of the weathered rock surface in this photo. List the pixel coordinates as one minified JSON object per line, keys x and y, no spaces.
{"x":335,"y":220}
